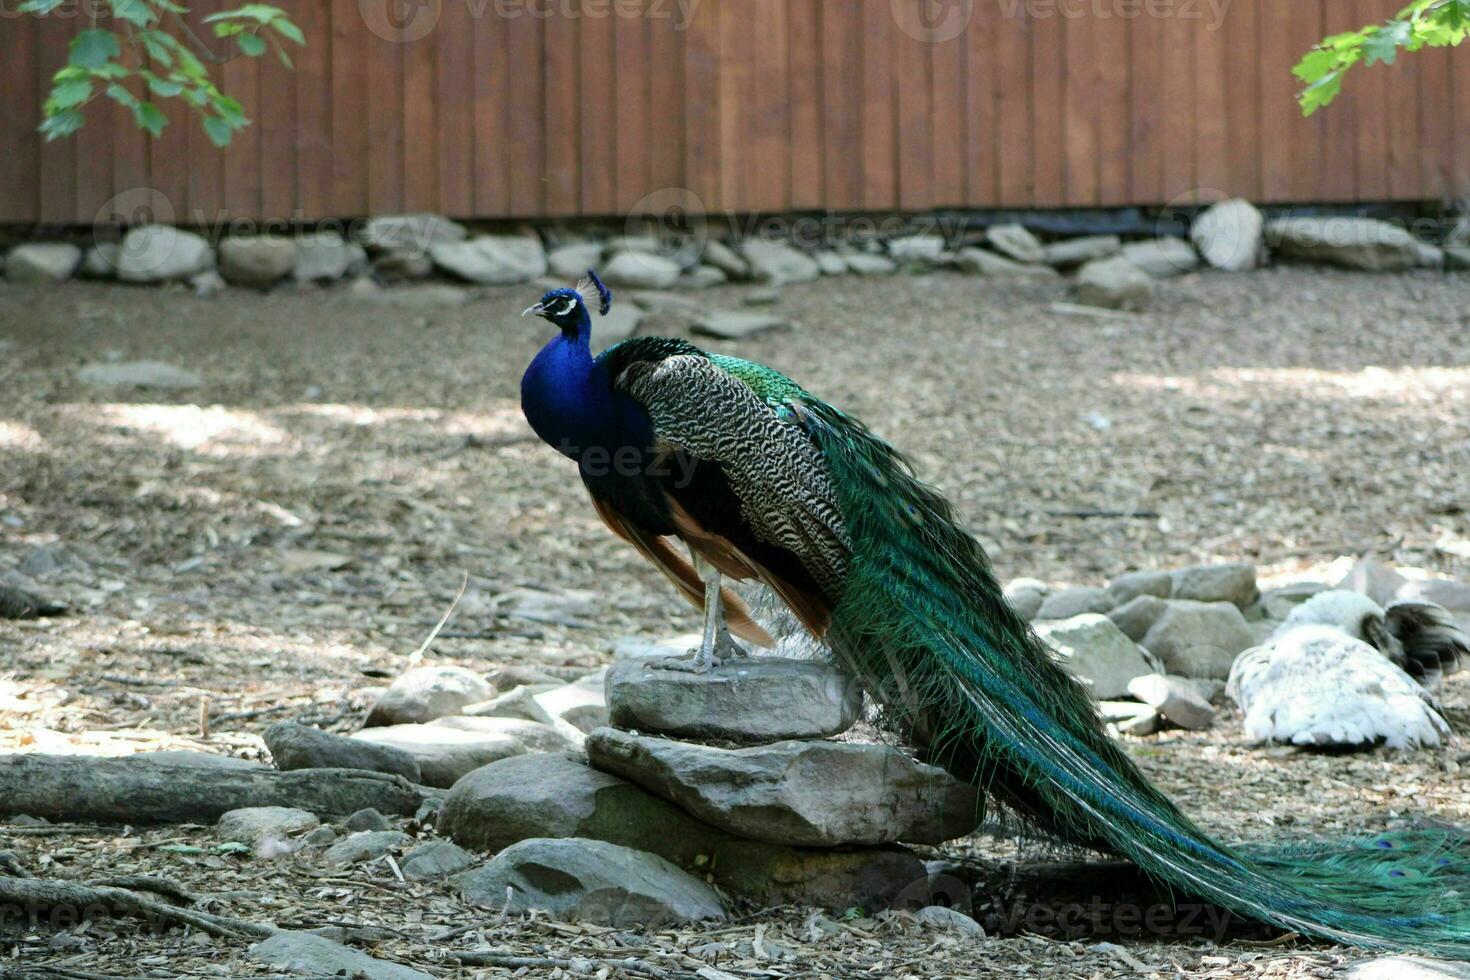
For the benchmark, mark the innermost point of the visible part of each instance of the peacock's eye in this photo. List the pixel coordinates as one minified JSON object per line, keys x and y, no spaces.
{"x":571,"y":305}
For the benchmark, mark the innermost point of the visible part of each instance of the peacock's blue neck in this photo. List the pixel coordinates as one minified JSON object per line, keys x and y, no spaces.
{"x":558,"y":396}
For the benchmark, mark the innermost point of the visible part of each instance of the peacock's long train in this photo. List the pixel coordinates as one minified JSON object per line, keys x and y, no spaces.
{"x":762,"y":480}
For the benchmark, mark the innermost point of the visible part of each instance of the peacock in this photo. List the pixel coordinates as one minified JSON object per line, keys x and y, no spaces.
{"x":1343,"y":671}
{"x":763,"y":481}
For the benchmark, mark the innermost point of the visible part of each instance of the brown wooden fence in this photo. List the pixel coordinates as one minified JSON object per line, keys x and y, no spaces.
{"x":527,"y":108}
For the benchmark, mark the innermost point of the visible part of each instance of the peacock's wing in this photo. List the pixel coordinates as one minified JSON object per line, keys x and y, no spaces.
{"x":745,"y":485}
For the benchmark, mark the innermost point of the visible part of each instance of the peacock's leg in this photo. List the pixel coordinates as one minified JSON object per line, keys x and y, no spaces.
{"x":714,"y":625}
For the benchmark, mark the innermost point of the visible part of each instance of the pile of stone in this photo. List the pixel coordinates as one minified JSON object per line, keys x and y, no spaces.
{"x":402,"y":249}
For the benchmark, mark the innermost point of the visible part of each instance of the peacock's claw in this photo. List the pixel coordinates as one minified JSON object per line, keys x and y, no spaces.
{"x":696,"y":663}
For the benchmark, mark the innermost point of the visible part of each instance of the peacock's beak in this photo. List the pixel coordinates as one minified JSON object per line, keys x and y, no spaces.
{"x":538,"y":309}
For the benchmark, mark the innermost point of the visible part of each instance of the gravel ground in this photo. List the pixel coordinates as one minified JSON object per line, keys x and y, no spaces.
{"x":277,"y":543}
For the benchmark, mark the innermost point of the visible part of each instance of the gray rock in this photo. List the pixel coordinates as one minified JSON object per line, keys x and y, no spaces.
{"x":409,"y":232}
{"x":42,"y":262}
{"x":620,"y":323}
{"x":492,"y":260}
{"x":761,"y":297}
{"x":804,"y":793}
{"x":1374,"y":579}
{"x":1026,"y":596}
{"x":659,"y":301}
{"x":139,"y":374}
{"x":1130,"y":717}
{"x":863,"y":264}
{"x":435,"y":859}
{"x":778,"y":262}
{"x":1229,"y":235}
{"x":100,"y":262}
{"x":701,"y":277}
{"x":1096,"y":651}
{"x":573,"y":607}
{"x":162,"y":253}
{"x":1405,"y":968}
{"x":403,"y":265}
{"x":294,"y":746}
{"x":367,"y":818}
{"x":535,"y":736}
{"x":559,"y":796}
{"x":326,"y":257}
{"x":582,"y":705}
{"x":1066,"y":603}
{"x":1162,"y":258}
{"x":427,"y":693}
{"x":1114,"y":283}
{"x":915,"y":248}
{"x":1430,"y":256}
{"x":320,"y":837}
{"x":733,"y":325}
{"x":1233,"y":582}
{"x":1138,"y":615}
{"x":1014,"y":241}
{"x":207,"y":283}
{"x":571,"y":262}
{"x":830,"y":262}
{"x":1457,"y":258}
{"x":1070,"y":252}
{"x":317,"y":956}
{"x":200,"y":760}
{"x":1199,"y":639}
{"x":945,"y":919}
{"x":1131,"y":585}
{"x":980,"y":262}
{"x":444,"y":754}
{"x":640,"y":270}
{"x":365,"y":845}
{"x":1176,"y":698}
{"x":1453,"y":595}
{"x":1277,"y":603}
{"x":591,"y":881}
{"x":1354,"y":243}
{"x":754,"y":699}
{"x":256,"y":261}
{"x":725,"y":258}
{"x":514,"y":703}
{"x":254,"y":824}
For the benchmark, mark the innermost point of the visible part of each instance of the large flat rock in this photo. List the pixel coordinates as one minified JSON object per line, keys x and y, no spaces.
{"x":1096,"y":651}
{"x":751,"y":700}
{"x":445,"y":754}
{"x":805,"y":793}
{"x":561,"y":796}
{"x":426,"y":693}
{"x":590,"y":881}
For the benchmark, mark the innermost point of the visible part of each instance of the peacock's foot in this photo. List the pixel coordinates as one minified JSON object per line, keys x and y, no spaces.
{"x":698,"y":662}
{"x":727,"y":649}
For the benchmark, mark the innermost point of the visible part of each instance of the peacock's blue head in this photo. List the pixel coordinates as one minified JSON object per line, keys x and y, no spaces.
{"x":568,"y":308}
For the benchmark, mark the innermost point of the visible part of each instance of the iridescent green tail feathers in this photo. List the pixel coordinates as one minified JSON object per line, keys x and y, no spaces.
{"x":923,"y":623}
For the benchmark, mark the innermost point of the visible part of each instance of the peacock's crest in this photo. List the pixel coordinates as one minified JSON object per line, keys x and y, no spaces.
{"x":591,"y":284}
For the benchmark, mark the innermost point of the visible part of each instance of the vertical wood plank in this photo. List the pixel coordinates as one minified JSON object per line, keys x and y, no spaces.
{"x":20,"y":81}
{"x":1054,"y":81}
{"x":666,"y":98}
{"x":631,"y":73}
{"x":734,"y":65}
{"x":1146,"y":100}
{"x":94,"y":153}
{"x":949,"y":136}
{"x":206,"y":181}
{"x":385,"y":124}
{"x":1079,"y":110}
{"x":1277,"y":107}
{"x":599,"y":190}
{"x":491,"y":115}
{"x":313,"y":123}
{"x":351,"y":41}
{"x":803,"y":31}
{"x":915,"y":119}
{"x":768,"y":166}
{"x":1012,"y":74}
{"x":242,"y":157}
{"x":879,"y":158}
{"x":982,"y":129}
{"x":58,"y":158}
{"x":168,"y":156}
{"x":421,"y":111}
{"x":703,"y":108}
{"x":1340,"y":124}
{"x":277,"y":121}
{"x":131,"y":145}
{"x":1402,"y":77}
{"x":1307,"y":135}
{"x":841,"y":52}
{"x":1435,"y":122}
{"x":1242,"y":99}
{"x":1178,"y":99}
{"x":528,"y":117}
{"x":1371,"y":101}
{"x":1459,"y":118}
{"x":561,"y":125}
{"x":1212,"y":115}
{"x":1113,"y":54}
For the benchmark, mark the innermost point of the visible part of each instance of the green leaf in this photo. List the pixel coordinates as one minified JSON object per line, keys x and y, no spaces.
{"x":150,"y":117}
{"x":219,"y":132}
{"x":229,"y":109}
{"x":157,"y":47}
{"x":118,"y":94}
{"x":1315,"y":64}
{"x":251,"y":44}
{"x":1320,"y":93}
{"x":261,"y":13}
{"x":135,"y":12}
{"x":180,"y":848}
{"x":60,"y":124}
{"x":1383,"y":44}
{"x":69,"y":93}
{"x":39,"y":7}
{"x":163,"y":87}
{"x":93,"y":48}
{"x":289,"y":31}
{"x":232,"y":847}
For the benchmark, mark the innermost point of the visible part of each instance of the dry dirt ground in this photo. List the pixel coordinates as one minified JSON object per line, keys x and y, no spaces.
{"x":275,"y":544}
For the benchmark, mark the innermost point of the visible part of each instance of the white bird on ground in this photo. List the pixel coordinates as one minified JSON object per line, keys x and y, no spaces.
{"x":1343,"y":670}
